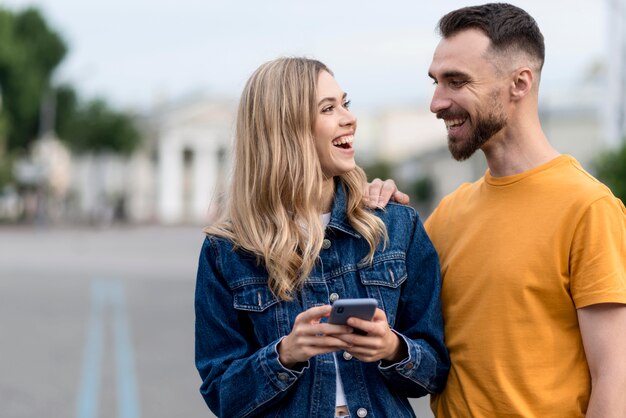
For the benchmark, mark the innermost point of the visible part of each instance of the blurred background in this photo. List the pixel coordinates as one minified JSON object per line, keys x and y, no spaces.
{"x":116,"y":123}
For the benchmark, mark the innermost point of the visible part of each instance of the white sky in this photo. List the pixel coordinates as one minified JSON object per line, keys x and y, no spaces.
{"x":133,"y":52}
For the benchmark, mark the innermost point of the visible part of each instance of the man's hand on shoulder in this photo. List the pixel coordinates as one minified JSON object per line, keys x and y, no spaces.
{"x":378,"y":193}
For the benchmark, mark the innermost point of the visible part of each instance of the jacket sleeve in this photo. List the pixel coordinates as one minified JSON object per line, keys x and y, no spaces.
{"x":419,"y":322}
{"x":239,"y":378}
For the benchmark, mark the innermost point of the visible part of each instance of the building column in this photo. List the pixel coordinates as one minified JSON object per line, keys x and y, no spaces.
{"x":170,"y":170}
{"x":205,"y":178}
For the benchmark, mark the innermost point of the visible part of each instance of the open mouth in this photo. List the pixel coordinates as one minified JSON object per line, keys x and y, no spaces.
{"x":344,"y":142}
{"x":454,"y":123}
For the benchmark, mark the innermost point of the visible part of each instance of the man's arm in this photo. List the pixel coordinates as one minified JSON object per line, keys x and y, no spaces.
{"x":603,"y":329}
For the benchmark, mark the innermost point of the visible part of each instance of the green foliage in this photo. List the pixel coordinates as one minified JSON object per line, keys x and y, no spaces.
{"x":94,"y":126}
{"x":611,"y":170}
{"x":423,"y":189}
{"x":66,"y":100}
{"x":29,"y":53}
{"x":6,"y":170}
{"x":379,"y":169}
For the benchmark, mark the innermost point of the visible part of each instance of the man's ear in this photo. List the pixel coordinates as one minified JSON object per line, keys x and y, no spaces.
{"x":522,"y":83}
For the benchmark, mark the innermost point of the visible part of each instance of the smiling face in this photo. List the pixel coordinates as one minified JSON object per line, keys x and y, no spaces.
{"x":469,"y":92}
{"x":334,"y":128}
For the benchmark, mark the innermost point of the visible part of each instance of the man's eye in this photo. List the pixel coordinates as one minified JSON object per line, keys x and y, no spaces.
{"x":457,"y":83}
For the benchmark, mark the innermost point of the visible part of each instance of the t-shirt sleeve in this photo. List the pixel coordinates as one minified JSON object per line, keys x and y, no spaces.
{"x":598,"y":254}
{"x":430,"y":221}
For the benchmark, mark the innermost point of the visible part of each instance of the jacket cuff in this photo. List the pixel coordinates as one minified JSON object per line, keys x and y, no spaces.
{"x":281,"y":376}
{"x":407,"y":367}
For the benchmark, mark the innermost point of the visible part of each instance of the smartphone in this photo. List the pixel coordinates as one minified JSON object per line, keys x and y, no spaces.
{"x":359,"y":308}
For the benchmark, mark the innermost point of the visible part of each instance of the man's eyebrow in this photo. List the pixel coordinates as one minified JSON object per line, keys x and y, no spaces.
{"x":450,"y":74}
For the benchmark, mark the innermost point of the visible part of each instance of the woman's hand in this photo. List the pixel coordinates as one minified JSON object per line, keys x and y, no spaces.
{"x":310,"y":337}
{"x":380,"y":343}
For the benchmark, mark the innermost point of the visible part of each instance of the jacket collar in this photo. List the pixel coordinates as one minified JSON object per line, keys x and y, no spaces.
{"x":338,"y":217}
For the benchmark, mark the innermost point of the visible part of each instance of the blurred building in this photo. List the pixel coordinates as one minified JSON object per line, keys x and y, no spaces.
{"x":109,"y":188}
{"x":192,"y":143}
{"x":173,"y":178}
{"x":614,"y":103}
{"x":176,"y":176}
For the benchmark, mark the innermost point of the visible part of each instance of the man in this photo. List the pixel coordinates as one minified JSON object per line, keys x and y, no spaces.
{"x":533,"y":254}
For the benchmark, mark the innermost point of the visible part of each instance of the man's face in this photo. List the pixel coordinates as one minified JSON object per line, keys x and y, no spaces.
{"x":468,"y":92}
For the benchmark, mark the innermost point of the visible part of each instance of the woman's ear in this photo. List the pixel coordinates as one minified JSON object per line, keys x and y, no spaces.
{"x":522,"y":83}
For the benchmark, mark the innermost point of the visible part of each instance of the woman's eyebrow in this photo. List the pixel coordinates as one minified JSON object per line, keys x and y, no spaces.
{"x":331,"y":99}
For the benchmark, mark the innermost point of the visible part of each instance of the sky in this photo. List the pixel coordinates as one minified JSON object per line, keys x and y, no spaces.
{"x":137,"y":53}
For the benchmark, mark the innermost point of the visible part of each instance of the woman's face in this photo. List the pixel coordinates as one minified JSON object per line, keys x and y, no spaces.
{"x":334,"y":128}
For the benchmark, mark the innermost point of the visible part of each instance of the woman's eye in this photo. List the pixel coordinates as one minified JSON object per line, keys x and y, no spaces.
{"x":327,"y":109}
{"x":347,"y":104}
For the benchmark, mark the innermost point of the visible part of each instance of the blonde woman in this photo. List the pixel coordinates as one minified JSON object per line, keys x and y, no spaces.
{"x":295,"y":237}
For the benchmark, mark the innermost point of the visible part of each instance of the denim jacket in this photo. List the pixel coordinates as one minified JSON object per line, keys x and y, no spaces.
{"x":239,"y":323}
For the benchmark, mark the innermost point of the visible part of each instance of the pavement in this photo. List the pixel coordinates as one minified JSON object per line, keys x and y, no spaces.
{"x":99,"y":323}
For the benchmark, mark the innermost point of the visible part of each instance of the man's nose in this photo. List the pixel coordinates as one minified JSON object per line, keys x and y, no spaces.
{"x":439,"y":101}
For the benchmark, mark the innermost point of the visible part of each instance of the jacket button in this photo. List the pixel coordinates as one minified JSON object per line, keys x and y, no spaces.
{"x":361,"y":412}
{"x":283,"y":377}
{"x":326,"y":244}
{"x":347,"y":356}
{"x":333,"y":297}
{"x":410,"y":365}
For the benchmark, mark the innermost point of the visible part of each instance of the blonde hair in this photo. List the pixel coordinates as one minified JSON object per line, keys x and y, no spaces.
{"x":273,"y":206}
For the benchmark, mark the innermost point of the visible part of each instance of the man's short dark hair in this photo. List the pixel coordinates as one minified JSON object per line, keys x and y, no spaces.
{"x":508,"y":27}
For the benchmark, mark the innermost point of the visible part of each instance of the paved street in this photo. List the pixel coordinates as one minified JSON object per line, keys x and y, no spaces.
{"x":98,"y":323}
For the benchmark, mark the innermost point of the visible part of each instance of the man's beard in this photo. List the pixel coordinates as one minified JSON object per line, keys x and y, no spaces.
{"x":485,"y":126}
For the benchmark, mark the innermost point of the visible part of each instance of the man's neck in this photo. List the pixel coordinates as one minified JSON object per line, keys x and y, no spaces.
{"x":515,"y":151}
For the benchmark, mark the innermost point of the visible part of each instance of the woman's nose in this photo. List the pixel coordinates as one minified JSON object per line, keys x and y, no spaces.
{"x":348,"y":118}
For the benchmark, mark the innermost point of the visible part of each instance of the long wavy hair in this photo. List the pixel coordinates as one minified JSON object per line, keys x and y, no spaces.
{"x":273,"y":205}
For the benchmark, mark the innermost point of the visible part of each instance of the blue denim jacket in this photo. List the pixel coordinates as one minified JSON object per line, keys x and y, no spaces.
{"x":239,"y":323}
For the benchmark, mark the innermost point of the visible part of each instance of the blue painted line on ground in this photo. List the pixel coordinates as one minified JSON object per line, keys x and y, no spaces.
{"x":108,"y":294}
{"x":127,"y":405}
{"x":88,"y":398}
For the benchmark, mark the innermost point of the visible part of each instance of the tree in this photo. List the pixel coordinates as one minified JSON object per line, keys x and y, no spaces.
{"x":378,"y":169}
{"x":611,"y":170}
{"x":29,"y":53}
{"x":423,"y":189}
{"x":93,"y":125}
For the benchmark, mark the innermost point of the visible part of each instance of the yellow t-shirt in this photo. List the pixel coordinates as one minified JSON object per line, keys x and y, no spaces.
{"x":519,"y":254}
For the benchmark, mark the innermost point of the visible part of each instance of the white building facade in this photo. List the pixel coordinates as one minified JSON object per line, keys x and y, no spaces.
{"x":193,"y":148}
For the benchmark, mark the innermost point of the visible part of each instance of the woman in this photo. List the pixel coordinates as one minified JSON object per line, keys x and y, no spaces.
{"x":295,"y":237}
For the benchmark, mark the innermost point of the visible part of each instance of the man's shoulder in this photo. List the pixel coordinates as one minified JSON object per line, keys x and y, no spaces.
{"x":462,"y":193}
{"x":579,"y":184}
{"x":452,"y":205}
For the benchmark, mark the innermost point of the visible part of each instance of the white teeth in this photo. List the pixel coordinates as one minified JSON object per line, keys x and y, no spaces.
{"x":453,"y":122}
{"x":344,"y":140}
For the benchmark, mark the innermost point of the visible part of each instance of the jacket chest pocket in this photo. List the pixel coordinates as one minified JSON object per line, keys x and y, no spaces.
{"x":383,"y":282}
{"x":254,"y":299}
